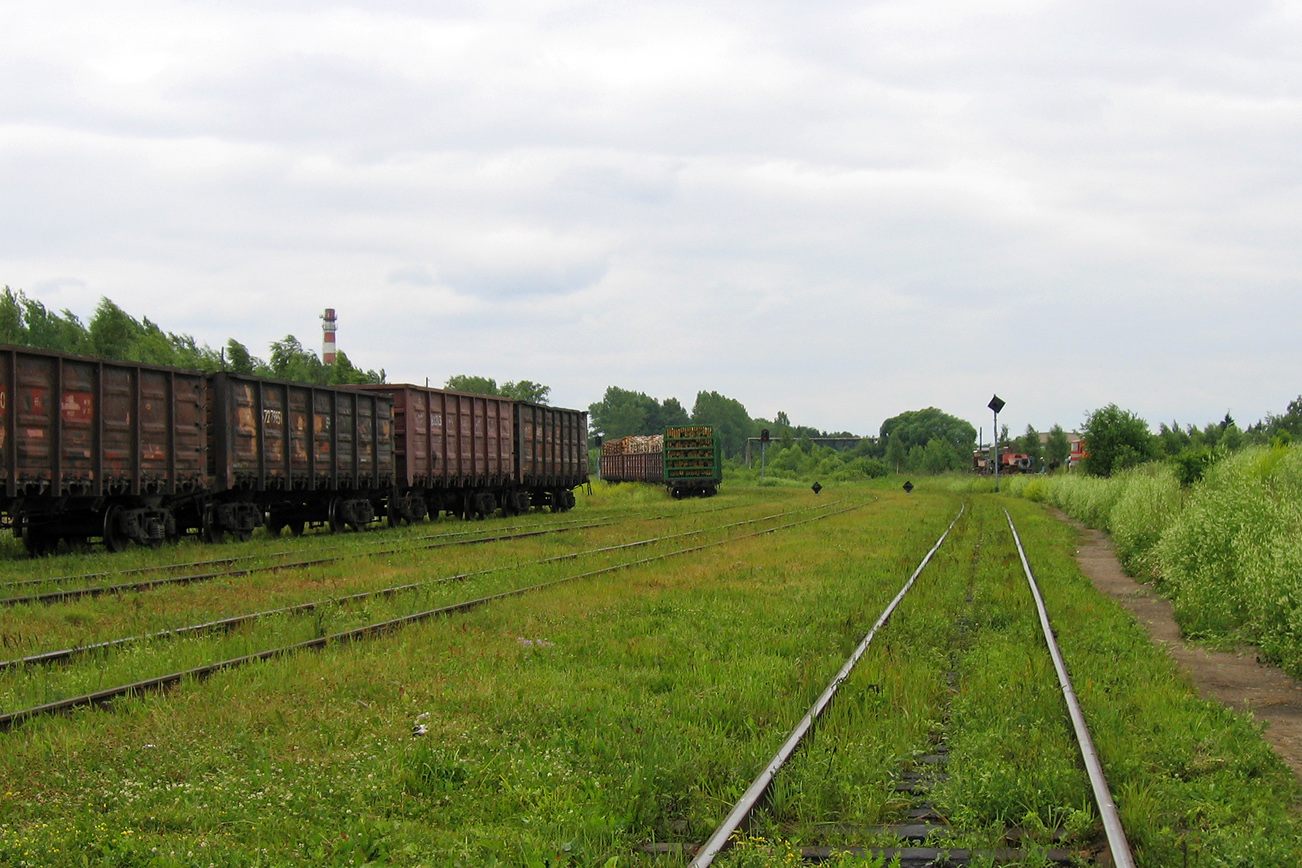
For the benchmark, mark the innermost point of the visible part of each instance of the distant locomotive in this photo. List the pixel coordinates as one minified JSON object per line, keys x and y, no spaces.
{"x":120,"y":451}
{"x":685,"y":459}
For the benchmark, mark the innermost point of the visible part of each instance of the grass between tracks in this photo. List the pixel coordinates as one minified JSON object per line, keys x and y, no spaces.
{"x":570,"y":725}
{"x":963,"y":664}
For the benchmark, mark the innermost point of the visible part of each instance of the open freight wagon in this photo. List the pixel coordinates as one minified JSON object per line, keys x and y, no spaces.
{"x":685,"y":459}
{"x":469,"y":455}
{"x":296,"y":453}
{"x":92,"y":448}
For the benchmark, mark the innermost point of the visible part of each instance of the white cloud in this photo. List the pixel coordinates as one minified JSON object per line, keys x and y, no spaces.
{"x":842,"y":210}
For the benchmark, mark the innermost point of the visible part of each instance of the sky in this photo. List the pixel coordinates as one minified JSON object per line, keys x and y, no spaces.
{"x":838,"y":210}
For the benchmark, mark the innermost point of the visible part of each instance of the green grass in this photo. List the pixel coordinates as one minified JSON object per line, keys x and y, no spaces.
{"x":570,"y":725}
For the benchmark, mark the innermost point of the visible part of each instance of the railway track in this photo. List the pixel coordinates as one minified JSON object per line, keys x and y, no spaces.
{"x":58,"y":656}
{"x":101,"y":697}
{"x":925,"y":828}
{"x":422,"y":543}
{"x":235,"y":559}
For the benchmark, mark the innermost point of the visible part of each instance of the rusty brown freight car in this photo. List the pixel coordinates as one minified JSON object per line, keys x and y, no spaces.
{"x":551,"y":453}
{"x":634,"y":467}
{"x":298,"y":453}
{"x":452,"y":452}
{"x":97,"y":448}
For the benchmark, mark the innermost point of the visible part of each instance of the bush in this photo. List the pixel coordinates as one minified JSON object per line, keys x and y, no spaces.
{"x":1227,"y":547}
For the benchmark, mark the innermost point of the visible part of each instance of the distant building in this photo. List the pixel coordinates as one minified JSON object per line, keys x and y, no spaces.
{"x":1077,"y":447}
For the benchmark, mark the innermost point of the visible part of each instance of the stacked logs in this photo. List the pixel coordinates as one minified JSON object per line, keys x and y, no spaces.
{"x":638,"y":444}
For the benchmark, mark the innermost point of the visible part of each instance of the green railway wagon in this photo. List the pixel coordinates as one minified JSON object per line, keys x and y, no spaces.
{"x":693,"y":464}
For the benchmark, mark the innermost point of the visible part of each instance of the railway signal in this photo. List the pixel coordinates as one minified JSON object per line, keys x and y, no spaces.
{"x":996,"y":404}
{"x":764,"y":441}
{"x":908,"y":487}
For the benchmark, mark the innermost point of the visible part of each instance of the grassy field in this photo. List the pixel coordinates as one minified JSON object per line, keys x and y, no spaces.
{"x":572,"y":724}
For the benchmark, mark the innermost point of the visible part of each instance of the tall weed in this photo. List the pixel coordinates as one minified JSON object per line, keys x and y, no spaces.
{"x":1234,"y":558}
{"x":1227,"y":550}
{"x":1148,"y":498}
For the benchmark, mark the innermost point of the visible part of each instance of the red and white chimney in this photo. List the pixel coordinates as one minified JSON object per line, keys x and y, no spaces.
{"x":328,"y":328}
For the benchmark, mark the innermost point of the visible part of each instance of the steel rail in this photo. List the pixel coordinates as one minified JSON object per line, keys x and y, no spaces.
{"x":130,"y":571}
{"x":48,"y":657}
{"x":1116,"y":835}
{"x":719,"y":840}
{"x":100,"y":697}
{"x":389,"y":541}
{"x":396,"y":547}
{"x":150,"y":584}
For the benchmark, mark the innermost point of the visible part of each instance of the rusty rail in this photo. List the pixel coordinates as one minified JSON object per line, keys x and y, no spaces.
{"x":101,"y":697}
{"x":717,"y":841}
{"x":1116,"y":835}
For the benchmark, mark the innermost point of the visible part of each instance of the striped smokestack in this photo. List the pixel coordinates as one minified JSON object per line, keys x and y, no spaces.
{"x":328,"y":328}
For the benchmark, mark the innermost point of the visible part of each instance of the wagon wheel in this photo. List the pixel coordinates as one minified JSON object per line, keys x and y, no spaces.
{"x":275,"y":526}
{"x":114,"y":539}
{"x":212,"y":531}
{"x":296,"y":528}
{"x":336,"y":520}
{"x":244,"y":534}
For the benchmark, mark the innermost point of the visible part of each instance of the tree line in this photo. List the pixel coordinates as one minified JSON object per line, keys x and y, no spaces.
{"x":623,"y":412}
{"x":112,"y":333}
{"x":927,"y":440}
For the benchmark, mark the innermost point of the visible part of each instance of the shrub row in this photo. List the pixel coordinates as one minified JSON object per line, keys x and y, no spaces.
{"x":1227,"y":550}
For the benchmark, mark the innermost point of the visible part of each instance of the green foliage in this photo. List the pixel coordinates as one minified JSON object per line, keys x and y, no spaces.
{"x":1226,"y":546}
{"x":115,"y":334}
{"x":621,"y":413}
{"x":472,"y":384}
{"x":1057,"y":448}
{"x":240,"y":361}
{"x":520,"y":390}
{"x":919,"y":427}
{"x":1289,"y":423}
{"x":1116,"y":439}
{"x":1191,"y":464}
{"x":1029,"y":444}
{"x":526,"y":390}
{"x":732,"y":424}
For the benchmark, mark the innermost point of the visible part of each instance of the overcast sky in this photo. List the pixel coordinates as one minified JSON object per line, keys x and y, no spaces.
{"x":840,"y":210}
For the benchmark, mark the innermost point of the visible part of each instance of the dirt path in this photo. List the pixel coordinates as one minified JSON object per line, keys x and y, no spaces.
{"x":1236,"y":679}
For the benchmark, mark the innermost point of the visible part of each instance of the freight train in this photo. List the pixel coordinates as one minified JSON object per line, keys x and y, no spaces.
{"x":685,"y":459}
{"x":120,"y":452}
